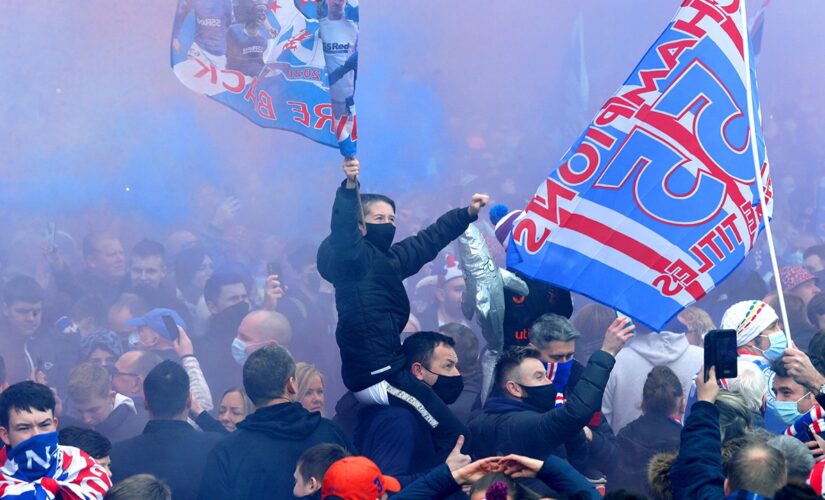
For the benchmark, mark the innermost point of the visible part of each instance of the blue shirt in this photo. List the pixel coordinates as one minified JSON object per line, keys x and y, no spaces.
{"x":245,"y":53}
{"x":212,"y":20}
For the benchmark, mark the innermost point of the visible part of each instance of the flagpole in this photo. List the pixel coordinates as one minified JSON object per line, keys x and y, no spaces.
{"x":758,"y":167}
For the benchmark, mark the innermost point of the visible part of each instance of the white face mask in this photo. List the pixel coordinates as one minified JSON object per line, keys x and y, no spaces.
{"x":239,"y":351}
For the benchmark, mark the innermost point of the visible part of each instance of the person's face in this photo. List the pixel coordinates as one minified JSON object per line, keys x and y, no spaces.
{"x":813,"y":263}
{"x":806,"y":291}
{"x":231,"y":411}
{"x":23,"y":317}
{"x":304,"y":488}
{"x":147,"y":271}
{"x":109,"y":260}
{"x":443,"y":362}
{"x":313,"y":398}
{"x":229,"y":296}
{"x":450,"y":294}
{"x":763,"y":341}
{"x":25,"y":424}
{"x":106,"y":463}
{"x":203,"y":273}
{"x":95,"y":410}
{"x":336,"y":8}
{"x":558,"y":352}
{"x":124,"y":379}
{"x":102,"y":357}
{"x":786,"y":389}
{"x":531,"y":373}
{"x":380,"y":212}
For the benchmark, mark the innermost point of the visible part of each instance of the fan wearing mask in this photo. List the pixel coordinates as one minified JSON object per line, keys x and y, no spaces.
{"x":367,"y":270}
{"x":760,"y":340}
{"x":795,"y":405}
{"x":554,"y":336}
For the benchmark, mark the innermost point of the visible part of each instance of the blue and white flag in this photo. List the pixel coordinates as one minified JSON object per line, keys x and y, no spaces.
{"x":269,"y":61}
{"x":657,"y":201}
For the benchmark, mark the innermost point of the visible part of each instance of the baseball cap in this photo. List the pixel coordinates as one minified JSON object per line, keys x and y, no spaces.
{"x":154,"y":320}
{"x":357,"y":478}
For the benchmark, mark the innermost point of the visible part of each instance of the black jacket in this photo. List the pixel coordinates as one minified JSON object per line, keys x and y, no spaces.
{"x":638,"y":442}
{"x":170,"y":450}
{"x":520,"y":312}
{"x":371,"y":300}
{"x":123,"y":423}
{"x":257,"y":460}
{"x":501,"y":430}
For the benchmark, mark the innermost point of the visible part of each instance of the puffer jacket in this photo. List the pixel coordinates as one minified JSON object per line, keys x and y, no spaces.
{"x":369,"y":294}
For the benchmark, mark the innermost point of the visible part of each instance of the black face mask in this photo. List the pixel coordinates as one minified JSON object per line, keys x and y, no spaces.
{"x":448,"y":388}
{"x":542,"y":397}
{"x":380,"y":235}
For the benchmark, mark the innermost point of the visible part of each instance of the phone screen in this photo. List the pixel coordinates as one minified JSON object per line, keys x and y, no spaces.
{"x":720,"y":352}
{"x":171,"y":327}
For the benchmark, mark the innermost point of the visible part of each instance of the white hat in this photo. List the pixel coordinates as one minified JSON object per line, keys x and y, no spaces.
{"x":749,"y":318}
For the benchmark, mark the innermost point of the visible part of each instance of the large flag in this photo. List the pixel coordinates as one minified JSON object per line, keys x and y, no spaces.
{"x":268,"y":61}
{"x":657,"y":201}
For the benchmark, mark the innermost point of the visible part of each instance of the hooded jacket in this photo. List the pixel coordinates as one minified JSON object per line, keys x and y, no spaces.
{"x":622,"y":402}
{"x":638,"y":442}
{"x":511,"y":426}
{"x":257,"y":460}
{"x":370,"y":297}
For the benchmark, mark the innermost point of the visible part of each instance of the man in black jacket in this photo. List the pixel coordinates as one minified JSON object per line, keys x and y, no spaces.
{"x":258,"y":460}
{"x":367,"y":271}
{"x":520,"y":417}
{"x":169,"y":448}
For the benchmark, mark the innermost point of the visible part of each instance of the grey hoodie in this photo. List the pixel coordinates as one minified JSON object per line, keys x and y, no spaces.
{"x":622,"y":402}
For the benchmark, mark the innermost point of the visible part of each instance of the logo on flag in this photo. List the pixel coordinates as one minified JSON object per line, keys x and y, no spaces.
{"x":267,"y":60}
{"x":658,"y":200}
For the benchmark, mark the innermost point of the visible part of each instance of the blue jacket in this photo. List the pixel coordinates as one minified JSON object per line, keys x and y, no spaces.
{"x":697,"y":472}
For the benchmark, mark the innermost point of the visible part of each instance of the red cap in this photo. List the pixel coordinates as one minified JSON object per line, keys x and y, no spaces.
{"x":357,"y":478}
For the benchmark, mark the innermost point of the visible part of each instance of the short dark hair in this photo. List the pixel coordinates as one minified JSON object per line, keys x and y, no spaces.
{"x":166,"y":389}
{"x":90,"y":306}
{"x":187,"y":263}
{"x":816,"y":308}
{"x":662,"y":391}
{"x":218,"y":280}
{"x":757,"y":468}
{"x":92,"y":442}
{"x":508,"y":362}
{"x":419,"y":347}
{"x":796,"y":490}
{"x":22,"y":288}
{"x":149,"y":248}
{"x":315,"y":461}
{"x":368,"y":199}
{"x":266,"y":373}
{"x":818,"y":250}
{"x":25,"y":396}
{"x":778,"y":367}
{"x":139,"y":487}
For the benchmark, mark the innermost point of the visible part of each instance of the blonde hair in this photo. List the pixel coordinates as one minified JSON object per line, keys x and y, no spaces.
{"x":248,"y":407}
{"x":88,"y":381}
{"x":304,"y":373}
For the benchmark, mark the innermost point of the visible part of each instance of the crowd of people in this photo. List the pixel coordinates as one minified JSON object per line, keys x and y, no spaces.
{"x":350,"y":370}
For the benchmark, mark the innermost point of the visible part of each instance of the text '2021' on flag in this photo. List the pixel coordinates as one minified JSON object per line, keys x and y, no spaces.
{"x":287,"y":64}
{"x":658,"y":200}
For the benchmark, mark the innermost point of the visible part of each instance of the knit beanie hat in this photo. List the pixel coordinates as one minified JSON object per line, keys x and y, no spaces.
{"x":749,"y":318}
{"x":503,"y":220}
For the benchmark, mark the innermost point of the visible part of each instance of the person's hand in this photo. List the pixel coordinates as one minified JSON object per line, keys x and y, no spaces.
{"x":707,"y":391}
{"x":588,"y":434}
{"x":226,"y":212}
{"x":800,"y":368}
{"x":53,"y":257}
{"x":273,"y":292}
{"x":195,"y":407}
{"x":517,"y":466}
{"x":619,"y":332}
{"x":183,"y":345}
{"x":352,"y":168}
{"x":176,"y":45}
{"x":456,"y":459}
{"x":471,"y":473}
{"x":477,"y":202}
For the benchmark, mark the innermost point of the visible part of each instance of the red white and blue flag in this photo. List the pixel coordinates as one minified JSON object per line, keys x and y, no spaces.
{"x":67,"y":473}
{"x":287,"y":64}
{"x":658,"y":200}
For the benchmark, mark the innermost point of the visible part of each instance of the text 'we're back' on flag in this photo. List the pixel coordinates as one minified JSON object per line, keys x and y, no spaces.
{"x":268,"y":61}
{"x":657,"y":201}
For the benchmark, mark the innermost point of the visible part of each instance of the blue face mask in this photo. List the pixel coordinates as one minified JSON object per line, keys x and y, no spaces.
{"x":779,"y":342}
{"x":787,"y":410}
{"x":559,"y":373}
{"x":239,"y":351}
{"x":35,"y":457}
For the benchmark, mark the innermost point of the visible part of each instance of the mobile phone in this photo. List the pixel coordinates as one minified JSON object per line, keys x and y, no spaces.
{"x":171,"y":327}
{"x":273,"y":269}
{"x":720,"y":351}
{"x":620,"y":314}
